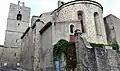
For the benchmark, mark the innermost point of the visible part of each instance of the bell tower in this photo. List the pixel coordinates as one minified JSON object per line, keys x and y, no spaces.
{"x":17,"y":23}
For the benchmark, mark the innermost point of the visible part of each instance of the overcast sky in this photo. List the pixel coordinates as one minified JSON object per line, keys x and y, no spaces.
{"x":41,"y":6}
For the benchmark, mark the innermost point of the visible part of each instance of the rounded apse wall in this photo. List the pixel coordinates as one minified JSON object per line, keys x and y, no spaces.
{"x":68,"y":13}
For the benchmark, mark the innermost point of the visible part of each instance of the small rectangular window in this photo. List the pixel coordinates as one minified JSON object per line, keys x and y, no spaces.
{"x":71,"y":28}
{"x":82,"y":27}
{"x":15,"y":54}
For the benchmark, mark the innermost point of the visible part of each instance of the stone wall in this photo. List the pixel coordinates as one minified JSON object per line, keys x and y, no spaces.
{"x":9,"y":55}
{"x":12,"y":56}
{"x":13,"y":39}
{"x":27,"y":51}
{"x":112,"y":28}
{"x":97,"y":58}
{"x":46,"y":17}
{"x":36,"y":52}
{"x":47,"y":49}
{"x":1,"y":55}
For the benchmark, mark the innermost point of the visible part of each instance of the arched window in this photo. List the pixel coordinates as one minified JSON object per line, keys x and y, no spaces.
{"x":80,"y":18}
{"x":97,"y":23}
{"x":71,"y":28}
{"x":19,"y":16}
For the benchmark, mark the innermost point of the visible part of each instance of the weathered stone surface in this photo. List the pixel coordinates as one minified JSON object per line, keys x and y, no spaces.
{"x":14,"y":30}
{"x":67,"y":15}
{"x":11,"y":56}
{"x":27,"y":51}
{"x":112,"y":28}
{"x":101,"y":58}
{"x":92,"y":63}
{"x":113,"y":60}
{"x":86,"y":60}
{"x":48,"y":28}
{"x":94,"y":59}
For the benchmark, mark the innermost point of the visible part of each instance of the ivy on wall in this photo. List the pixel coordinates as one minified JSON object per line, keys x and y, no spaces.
{"x":68,"y":49}
{"x":115,"y":46}
{"x":60,"y":47}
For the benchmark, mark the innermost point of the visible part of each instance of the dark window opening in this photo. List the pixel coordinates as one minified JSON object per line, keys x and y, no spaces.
{"x":82,"y":26}
{"x":18,"y":24}
{"x":15,"y":54}
{"x":80,"y":18}
{"x":19,"y":16}
{"x":16,"y":40}
{"x":54,"y":24}
{"x":71,"y":28}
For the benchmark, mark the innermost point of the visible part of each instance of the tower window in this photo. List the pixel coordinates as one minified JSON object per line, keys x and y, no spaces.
{"x":80,"y":18}
{"x":19,"y":16}
{"x":71,"y":28}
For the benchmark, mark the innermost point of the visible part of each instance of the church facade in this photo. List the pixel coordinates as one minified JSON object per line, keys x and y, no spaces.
{"x":32,"y":47}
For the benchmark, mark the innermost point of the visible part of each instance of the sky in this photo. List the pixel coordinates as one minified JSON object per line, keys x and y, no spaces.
{"x":41,"y":6}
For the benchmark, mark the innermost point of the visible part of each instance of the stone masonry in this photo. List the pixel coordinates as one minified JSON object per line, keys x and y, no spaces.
{"x":112,"y":28}
{"x":95,"y":59}
{"x":17,"y":23}
{"x":48,"y":28}
{"x":32,"y":46}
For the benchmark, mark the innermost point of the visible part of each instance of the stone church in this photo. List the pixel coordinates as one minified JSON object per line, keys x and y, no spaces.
{"x":31,"y":47}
